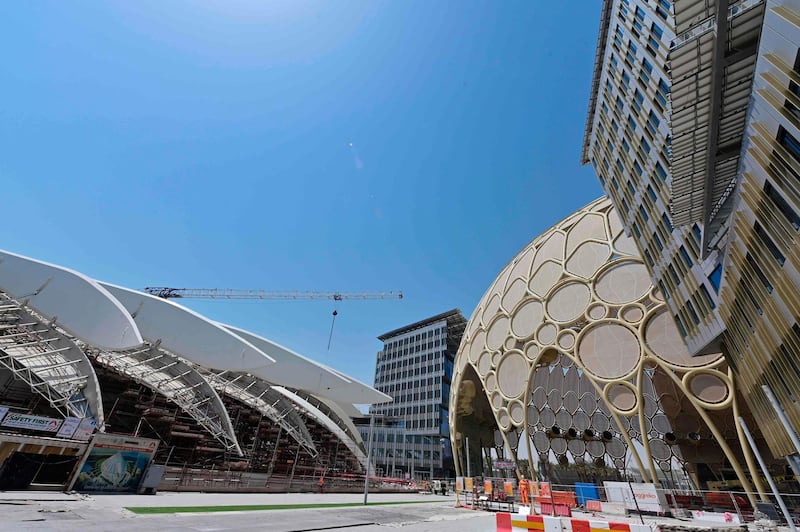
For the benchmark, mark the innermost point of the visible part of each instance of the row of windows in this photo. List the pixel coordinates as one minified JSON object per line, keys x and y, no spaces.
{"x":424,"y":335}
{"x":639,"y":26}
{"x":408,"y":362}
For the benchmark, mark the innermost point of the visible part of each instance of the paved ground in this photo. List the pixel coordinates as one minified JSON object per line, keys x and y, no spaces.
{"x":59,"y":511}
{"x":72,"y":512}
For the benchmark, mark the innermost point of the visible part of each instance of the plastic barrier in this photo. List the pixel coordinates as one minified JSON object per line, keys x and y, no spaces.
{"x":562,"y":510}
{"x":594,"y":506}
{"x":507,"y":522}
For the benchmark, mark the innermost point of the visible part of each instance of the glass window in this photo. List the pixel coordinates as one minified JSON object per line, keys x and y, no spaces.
{"x":782,"y":205}
{"x":656,"y":30}
{"x":716,"y":277}
{"x":686,"y":258}
{"x":790,"y":143}
{"x":759,"y":273}
{"x":707,"y":296}
{"x":661,"y":172}
{"x":773,"y":249}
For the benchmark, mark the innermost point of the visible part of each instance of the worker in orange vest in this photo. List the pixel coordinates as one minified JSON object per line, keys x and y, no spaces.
{"x":524,"y":490}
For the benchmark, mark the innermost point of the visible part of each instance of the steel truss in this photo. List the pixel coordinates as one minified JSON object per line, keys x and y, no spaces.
{"x":258,"y":394}
{"x":48,"y":361}
{"x":177,"y":380}
{"x":338,"y":423}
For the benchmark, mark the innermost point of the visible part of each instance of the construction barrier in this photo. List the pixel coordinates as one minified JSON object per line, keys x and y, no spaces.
{"x":594,"y":506}
{"x":507,"y":522}
{"x":562,"y":510}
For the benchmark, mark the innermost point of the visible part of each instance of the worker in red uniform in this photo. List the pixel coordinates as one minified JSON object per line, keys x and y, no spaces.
{"x":524,"y":490}
{"x":321,"y":483}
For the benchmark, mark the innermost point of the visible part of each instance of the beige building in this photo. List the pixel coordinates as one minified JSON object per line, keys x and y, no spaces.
{"x":692,"y":130}
{"x":572,"y":357}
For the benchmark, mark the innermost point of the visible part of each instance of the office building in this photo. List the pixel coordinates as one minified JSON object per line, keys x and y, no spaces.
{"x":415,"y":368}
{"x":692,"y":130}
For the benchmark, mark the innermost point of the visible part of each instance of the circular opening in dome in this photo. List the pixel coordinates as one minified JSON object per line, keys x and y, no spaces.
{"x":693,"y":436}
{"x":547,"y":357}
{"x":588,"y":433}
{"x":572,"y":433}
{"x":607,"y":435}
{"x":555,"y":430}
{"x":670,"y":437}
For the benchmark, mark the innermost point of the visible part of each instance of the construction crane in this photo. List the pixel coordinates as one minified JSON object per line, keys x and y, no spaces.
{"x":167,"y":292}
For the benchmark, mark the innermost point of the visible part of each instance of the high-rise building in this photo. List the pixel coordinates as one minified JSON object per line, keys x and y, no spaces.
{"x":692,"y":130}
{"x":415,"y":368}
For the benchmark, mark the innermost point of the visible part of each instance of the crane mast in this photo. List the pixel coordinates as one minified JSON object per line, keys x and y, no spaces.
{"x":167,"y":292}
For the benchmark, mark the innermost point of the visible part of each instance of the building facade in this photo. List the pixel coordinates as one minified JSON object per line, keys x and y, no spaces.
{"x":415,"y":368}
{"x":692,"y":130}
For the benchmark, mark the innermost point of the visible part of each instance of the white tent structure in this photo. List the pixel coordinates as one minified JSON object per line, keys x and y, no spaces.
{"x":56,"y":323}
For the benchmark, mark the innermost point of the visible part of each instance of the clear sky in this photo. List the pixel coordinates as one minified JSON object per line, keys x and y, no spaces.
{"x":348,"y":145}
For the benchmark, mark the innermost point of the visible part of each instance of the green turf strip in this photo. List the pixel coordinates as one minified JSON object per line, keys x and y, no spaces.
{"x":251,"y":507}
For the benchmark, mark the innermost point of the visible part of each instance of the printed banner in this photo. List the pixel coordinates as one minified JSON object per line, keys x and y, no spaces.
{"x":637,"y":496}
{"x":115,"y":463}
{"x":508,"y":488}
{"x":85,"y":429}
{"x":69,"y":427}
{"x":469,"y":483}
{"x":26,"y":421}
{"x":459,"y":483}
{"x":487,"y":487}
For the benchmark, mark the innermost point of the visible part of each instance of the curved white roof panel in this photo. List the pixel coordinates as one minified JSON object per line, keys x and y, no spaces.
{"x":295,"y":371}
{"x":81,"y":306}
{"x":329,"y":423}
{"x":190,"y":335}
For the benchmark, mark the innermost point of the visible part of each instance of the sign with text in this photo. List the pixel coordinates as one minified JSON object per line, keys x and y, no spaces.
{"x":85,"y":429}
{"x":469,"y":483}
{"x":459,"y":483}
{"x":637,"y":496}
{"x":27,"y":421}
{"x":487,"y":487}
{"x":504,"y":464}
{"x":115,"y":463}
{"x":68,"y":428}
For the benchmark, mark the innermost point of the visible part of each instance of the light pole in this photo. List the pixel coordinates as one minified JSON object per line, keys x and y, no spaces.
{"x":430,"y":455}
{"x":369,"y":455}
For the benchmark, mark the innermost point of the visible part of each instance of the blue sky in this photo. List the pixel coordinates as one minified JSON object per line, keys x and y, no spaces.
{"x":406,"y":145}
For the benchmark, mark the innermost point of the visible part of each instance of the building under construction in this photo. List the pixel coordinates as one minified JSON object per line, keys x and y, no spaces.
{"x":230,"y":410}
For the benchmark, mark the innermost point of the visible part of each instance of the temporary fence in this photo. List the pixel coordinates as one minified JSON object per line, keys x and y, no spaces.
{"x":622,"y":498}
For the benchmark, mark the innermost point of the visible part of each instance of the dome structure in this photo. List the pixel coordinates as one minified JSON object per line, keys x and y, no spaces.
{"x":573,"y":348}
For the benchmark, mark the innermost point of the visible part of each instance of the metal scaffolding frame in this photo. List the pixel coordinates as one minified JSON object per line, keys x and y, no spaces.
{"x":258,"y":394}
{"x":48,"y":361}
{"x":340,"y":426}
{"x":177,"y":380}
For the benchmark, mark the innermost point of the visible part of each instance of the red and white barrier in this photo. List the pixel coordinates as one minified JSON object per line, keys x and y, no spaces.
{"x":507,"y":522}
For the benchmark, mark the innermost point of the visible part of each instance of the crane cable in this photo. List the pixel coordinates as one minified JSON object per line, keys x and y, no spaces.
{"x":333,"y":321}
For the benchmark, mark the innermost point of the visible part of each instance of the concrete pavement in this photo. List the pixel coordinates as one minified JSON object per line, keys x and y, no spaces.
{"x":59,"y":511}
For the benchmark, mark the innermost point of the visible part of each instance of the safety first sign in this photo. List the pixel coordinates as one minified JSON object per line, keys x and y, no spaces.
{"x":25,"y":421}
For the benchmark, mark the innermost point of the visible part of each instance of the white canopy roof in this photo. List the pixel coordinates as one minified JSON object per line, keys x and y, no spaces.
{"x":295,"y":371}
{"x":80,"y":305}
{"x":188,"y":334}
